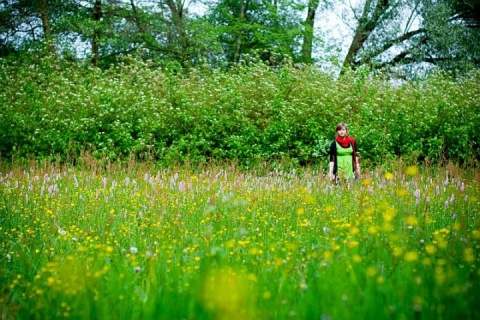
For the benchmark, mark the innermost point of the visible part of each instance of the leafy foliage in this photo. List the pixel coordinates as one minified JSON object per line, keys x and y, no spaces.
{"x":408,"y":37}
{"x":405,"y":38}
{"x":246,"y":27}
{"x":250,"y":113}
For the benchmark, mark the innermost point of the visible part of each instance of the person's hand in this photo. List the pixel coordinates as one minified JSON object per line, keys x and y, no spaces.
{"x":357,"y":173}
{"x":331,"y":176}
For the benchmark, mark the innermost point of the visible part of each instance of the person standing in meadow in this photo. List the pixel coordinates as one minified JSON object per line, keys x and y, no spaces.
{"x":343,"y":156}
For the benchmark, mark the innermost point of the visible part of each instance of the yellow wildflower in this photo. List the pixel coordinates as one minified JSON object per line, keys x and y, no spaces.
{"x":411,"y":221}
{"x":411,"y":256}
{"x":327,"y":255}
{"x":356,"y":258}
{"x":256,"y":252}
{"x":372,"y":271}
{"x":476,"y":234}
{"x":354,"y":230}
{"x":397,"y":251}
{"x":366,"y":182}
{"x":301,"y":211}
{"x":468,"y":255}
{"x":430,"y":249}
{"x":389,"y":176}
{"x":373,"y":230}
{"x":412,"y":171}
{"x":352,"y":244}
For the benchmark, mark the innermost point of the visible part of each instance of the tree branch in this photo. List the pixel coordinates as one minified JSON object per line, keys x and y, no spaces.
{"x":389,"y":44}
{"x":364,"y":29}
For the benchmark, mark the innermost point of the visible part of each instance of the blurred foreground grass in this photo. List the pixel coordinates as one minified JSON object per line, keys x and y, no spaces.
{"x":134,"y":241}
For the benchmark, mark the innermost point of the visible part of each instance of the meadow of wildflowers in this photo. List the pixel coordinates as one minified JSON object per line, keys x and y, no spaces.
{"x":135,"y":241}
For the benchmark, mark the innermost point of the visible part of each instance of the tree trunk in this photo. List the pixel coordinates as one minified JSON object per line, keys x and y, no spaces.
{"x":365,"y":27}
{"x":239,"y":41}
{"x":307,"y":46}
{"x":97,"y":15}
{"x":178,"y":20}
{"x":136,"y":16}
{"x":47,"y":32}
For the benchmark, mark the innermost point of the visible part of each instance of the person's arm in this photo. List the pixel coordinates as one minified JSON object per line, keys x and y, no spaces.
{"x":330,"y":174}
{"x":357,"y":168}
{"x":357,"y":162}
{"x":331,"y":164}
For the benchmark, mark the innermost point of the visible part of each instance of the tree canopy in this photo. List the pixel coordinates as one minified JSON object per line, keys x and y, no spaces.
{"x":416,"y":34}
{"x":397,"y":36}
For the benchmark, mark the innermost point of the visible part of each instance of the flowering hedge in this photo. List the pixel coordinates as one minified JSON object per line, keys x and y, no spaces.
{"x":249,"y":113}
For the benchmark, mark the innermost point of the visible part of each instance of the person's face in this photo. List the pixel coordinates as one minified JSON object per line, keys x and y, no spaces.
{"x":342,"y":132}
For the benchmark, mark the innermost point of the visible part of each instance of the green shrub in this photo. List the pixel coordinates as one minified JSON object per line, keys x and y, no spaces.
{"x":249,"y":113}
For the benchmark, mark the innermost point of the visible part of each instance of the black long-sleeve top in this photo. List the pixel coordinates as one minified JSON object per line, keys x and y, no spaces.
{"x":333,"y":154}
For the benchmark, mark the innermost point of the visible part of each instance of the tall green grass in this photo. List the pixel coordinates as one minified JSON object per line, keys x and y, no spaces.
{"x":134,"y":240}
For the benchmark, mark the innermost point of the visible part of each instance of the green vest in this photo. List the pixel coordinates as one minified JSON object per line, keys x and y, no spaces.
{"x":345,"y":162}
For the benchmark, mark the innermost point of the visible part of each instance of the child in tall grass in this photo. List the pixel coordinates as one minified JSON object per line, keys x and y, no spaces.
{"x":343,"y":156}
